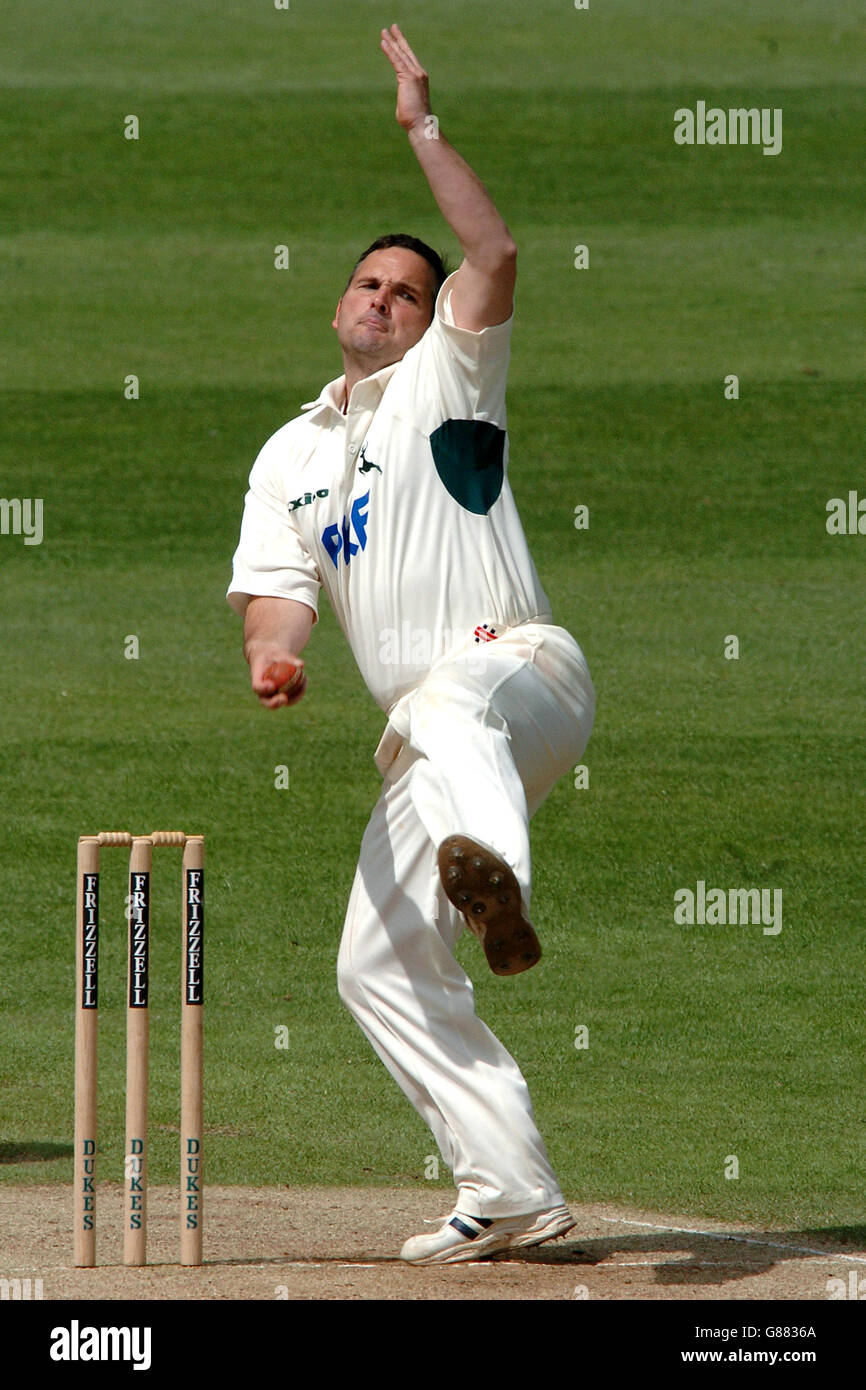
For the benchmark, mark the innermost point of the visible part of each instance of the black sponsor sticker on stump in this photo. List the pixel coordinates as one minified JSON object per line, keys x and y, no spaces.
{"x":139,"y":938}
{"x":194,"y":963}
{"x":90,"y":941}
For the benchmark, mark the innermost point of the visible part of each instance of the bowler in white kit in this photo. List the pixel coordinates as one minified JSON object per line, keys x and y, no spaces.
{"x":391,"y":492}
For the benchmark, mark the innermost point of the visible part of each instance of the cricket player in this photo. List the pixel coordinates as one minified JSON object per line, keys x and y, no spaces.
{"x":390,"y":492}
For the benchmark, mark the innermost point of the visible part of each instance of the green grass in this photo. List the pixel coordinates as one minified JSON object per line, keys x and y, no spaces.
{"x":706,"y":519}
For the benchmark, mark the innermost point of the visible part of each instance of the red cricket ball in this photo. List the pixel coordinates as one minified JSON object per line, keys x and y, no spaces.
{"x":282,"y":674}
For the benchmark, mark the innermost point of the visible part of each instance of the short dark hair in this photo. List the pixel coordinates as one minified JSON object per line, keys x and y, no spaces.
{"x":436,"y":262}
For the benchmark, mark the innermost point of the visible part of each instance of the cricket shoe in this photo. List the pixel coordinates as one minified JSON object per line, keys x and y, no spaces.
{"x":461,"y":1238}
{"x":483,"y":887}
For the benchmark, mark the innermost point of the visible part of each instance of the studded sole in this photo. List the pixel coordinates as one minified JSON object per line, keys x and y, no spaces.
{"x":483,"y":887}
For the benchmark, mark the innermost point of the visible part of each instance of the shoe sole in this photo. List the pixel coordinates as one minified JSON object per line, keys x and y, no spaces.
{"x":484,"y":889}
{"x":559,"y":1226}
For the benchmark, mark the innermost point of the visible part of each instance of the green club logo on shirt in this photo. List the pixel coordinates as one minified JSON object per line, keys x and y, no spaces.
{"x":367,"y":464}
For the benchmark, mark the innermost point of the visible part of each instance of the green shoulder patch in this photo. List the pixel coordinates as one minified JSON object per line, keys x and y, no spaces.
{"x":469,"y":457}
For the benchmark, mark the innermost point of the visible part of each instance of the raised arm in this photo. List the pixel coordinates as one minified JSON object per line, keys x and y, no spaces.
{"x":483,"y":291}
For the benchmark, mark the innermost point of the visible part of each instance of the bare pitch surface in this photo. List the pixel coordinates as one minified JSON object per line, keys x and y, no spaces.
{"x":343,"y":1243}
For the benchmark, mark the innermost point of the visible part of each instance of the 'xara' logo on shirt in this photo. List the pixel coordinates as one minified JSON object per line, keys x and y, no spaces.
{"x":337,"y":539}
{"x":307,"y":498}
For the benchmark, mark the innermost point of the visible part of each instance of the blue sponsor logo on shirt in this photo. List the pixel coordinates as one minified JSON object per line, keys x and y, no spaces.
{"x":337,"y":538}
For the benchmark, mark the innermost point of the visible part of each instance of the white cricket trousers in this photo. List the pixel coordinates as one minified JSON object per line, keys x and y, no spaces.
{"x":481,"y":742}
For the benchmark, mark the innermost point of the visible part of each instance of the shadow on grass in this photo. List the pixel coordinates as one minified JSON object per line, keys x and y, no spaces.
{"x":33,"y":1151}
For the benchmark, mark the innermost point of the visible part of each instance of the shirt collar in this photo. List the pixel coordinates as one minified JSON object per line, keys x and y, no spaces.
{"x":369,"y":391}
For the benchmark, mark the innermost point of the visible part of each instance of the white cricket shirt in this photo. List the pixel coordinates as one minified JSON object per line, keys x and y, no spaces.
{"x":400,"y":509}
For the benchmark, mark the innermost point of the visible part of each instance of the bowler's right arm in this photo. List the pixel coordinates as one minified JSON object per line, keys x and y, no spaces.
{"x":276,"y":629}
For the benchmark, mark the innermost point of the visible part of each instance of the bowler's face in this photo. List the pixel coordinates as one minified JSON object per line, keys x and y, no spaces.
{"x":386,"y":308}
